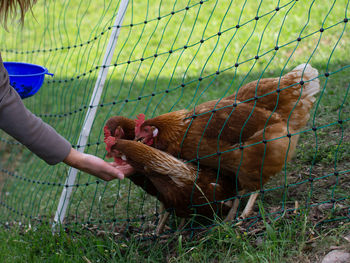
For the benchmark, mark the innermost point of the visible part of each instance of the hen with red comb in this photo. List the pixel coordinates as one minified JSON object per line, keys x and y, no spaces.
{"x":119,"y":127}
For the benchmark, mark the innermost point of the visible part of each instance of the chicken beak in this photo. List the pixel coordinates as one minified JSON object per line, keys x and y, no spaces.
{"x":140,"y":139}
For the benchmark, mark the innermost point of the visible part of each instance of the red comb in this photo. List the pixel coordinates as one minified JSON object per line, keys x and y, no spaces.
{"x":106,"y":132}
{"x":138,"y":122}
{"x":109,"y":141}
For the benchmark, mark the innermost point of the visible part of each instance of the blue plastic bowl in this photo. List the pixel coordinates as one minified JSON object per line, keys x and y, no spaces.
{"x":26,"y":78}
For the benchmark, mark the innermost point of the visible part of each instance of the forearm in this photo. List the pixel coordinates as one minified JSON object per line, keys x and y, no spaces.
{"x":31,"y":131}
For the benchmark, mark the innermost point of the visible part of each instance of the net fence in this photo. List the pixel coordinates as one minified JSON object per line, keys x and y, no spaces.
{"x":172,"y":55}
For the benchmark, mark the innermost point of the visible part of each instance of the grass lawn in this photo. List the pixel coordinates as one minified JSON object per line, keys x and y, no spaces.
{"x":164,"y":48}
{"x":287,"y":240}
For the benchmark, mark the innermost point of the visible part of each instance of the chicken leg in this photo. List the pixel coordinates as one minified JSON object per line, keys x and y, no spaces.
{"x":247,"y":210}
{"x":233,"y":211}
{"x":162,"y":220}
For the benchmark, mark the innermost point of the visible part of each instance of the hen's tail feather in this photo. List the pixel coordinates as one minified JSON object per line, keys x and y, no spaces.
{"x":308,"y":74}
{"x":299,"y":99}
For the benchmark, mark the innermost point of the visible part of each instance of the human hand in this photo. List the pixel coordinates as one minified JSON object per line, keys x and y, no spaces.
{"x":94,"y":165}
{"x":125,"y":168}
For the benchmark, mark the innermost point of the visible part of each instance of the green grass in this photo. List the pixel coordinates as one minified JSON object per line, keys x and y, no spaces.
{"x":288,"y":240}
{"x":69,"y":23}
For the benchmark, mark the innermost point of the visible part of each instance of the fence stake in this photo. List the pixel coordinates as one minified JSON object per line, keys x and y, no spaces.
{"x":91,"y":112}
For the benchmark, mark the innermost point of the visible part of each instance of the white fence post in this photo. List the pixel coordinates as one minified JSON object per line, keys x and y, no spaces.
{"x":91,"y":112}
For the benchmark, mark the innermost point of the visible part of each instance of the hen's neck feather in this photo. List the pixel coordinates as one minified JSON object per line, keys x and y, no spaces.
{"x":172,"y":127}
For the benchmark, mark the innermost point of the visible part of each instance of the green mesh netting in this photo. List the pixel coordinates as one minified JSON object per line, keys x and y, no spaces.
{"x":172,"y":55}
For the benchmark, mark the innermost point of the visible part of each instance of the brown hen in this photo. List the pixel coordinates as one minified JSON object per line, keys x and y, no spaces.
{"x":119,"y":127}
{"x":248,"y":135}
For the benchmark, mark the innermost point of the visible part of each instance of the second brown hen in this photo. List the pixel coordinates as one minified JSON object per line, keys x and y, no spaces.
{"x":182,"y":186}
{"x":176,"y":184}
